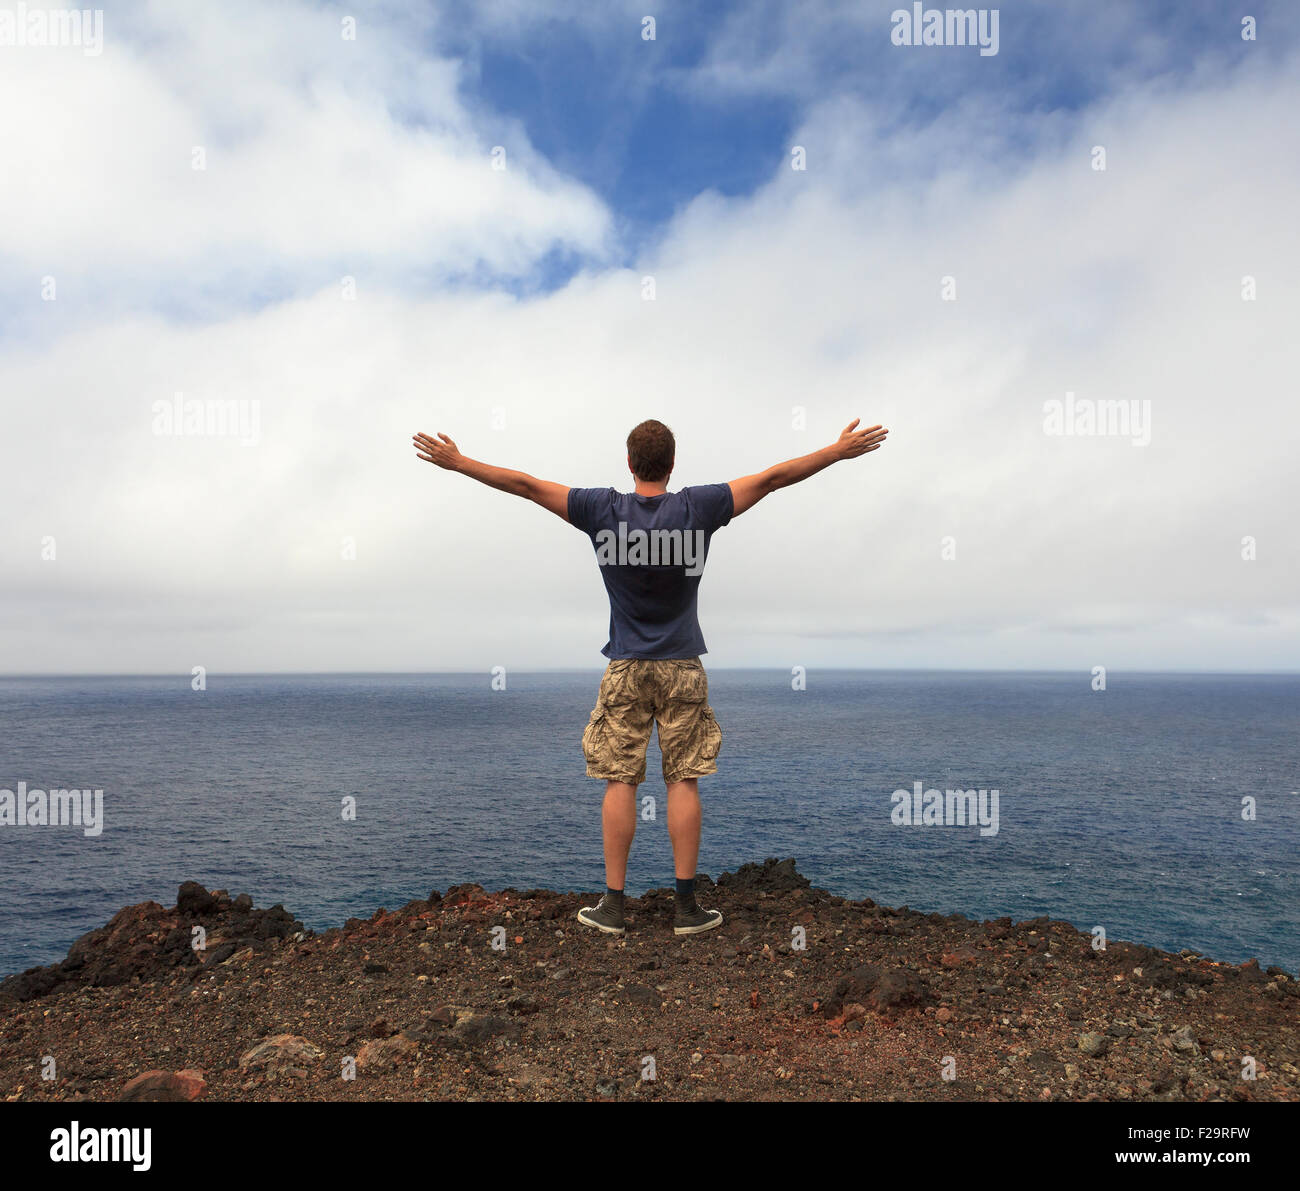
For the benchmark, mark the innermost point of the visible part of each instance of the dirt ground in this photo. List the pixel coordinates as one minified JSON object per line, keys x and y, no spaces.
{"x":800,"y":995}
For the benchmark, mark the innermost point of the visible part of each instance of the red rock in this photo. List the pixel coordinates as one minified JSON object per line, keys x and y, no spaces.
{"x":165,"y":1086}
{"x":282,"y":1052}
{"x":1251,"y":973}
{"x":379,"y":1055}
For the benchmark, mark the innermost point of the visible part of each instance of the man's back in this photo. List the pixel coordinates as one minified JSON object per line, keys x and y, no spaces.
{"x":651,"y":551}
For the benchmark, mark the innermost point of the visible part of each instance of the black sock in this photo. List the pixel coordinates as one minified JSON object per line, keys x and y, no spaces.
{"x":686,"y":890}
{"x":613,"y":892}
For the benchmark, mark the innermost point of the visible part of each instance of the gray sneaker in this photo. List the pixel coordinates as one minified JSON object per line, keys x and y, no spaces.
{"x":606,"y":915}
{"x":691,"y":920}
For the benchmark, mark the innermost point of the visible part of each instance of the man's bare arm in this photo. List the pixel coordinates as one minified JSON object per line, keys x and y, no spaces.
{"x":444,"y":453}
{"x":749,"y":490}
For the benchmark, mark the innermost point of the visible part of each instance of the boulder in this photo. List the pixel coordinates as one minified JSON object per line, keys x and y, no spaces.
{"x":282,"y":1053}
{"x":162,"y":1086}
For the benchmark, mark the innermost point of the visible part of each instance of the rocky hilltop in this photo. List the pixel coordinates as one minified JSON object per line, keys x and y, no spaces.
{"x":801,"y":995}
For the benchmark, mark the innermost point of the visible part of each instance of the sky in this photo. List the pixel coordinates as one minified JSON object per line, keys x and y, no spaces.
{"x":1063,"y":274}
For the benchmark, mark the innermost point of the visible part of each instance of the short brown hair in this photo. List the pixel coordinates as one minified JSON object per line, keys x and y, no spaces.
{"x":651,"y":450}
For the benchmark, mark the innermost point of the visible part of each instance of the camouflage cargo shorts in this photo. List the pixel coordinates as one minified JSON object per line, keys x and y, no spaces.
{"x":637,"y":693}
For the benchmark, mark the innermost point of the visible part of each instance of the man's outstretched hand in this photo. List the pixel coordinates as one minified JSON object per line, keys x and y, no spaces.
{"x":747,"y":491}
{"x":444,"y":453}
{"x":852,"y":443}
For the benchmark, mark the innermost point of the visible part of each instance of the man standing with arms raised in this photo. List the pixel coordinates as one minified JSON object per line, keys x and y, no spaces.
{"x":651,"y":545}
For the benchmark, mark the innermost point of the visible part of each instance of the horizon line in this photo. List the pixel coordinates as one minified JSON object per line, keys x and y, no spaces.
{"x":597,"y":669}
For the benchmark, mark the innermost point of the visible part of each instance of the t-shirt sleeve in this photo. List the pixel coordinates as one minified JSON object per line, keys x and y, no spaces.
{"x":585,"y":505}
{"x":713,"y":505}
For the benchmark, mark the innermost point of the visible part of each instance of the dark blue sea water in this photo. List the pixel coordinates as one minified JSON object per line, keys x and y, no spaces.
{"x":1120,"y":808}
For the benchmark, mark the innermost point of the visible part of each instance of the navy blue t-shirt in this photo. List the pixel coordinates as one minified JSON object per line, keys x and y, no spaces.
{"x":651,"y":551}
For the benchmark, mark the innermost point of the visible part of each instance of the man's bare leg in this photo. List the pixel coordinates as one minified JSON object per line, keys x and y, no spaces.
{"x":684,"y":818}
{"x":618,"y":825}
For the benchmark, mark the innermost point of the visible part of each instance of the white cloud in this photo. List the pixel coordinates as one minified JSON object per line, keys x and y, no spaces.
{"x":823,"y":291}
{"x":323,"y":156}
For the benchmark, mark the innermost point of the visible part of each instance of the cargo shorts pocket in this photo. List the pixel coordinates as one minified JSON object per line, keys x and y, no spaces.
{"x":593,"y":737}
{"x":711,"y":742}
{"x":617,"y":684}
{"x":687,"y":683}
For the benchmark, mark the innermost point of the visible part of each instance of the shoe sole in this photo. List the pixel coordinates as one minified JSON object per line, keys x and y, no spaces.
{"x":696,"y":930}
{"x":609,"y":930}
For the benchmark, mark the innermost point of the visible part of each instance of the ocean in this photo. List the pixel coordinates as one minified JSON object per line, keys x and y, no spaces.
{"x":1121,"y":808}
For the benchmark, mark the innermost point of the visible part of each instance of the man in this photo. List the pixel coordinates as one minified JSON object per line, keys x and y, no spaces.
{"x":651,"y":545}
